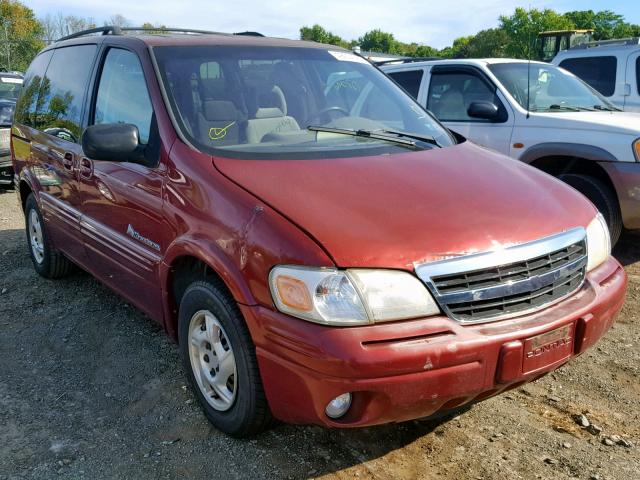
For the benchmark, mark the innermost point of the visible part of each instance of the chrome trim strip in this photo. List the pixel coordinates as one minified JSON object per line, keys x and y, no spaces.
{"x":118,"y":243}
{"x":99,"y":233}
{"x":516,"y":253}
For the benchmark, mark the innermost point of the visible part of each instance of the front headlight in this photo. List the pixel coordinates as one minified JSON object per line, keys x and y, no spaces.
{"x":349,"y":297}
{"x":598,"y":242}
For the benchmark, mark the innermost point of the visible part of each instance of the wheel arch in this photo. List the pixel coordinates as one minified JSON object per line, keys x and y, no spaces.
{"x":190,"y":259}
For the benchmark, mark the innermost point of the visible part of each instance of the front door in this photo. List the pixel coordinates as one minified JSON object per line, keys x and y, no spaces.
{"x":452,"y":89}
{"x":122,"y":220}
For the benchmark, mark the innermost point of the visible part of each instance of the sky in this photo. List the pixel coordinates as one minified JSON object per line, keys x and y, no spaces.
{"x":429,"y":22}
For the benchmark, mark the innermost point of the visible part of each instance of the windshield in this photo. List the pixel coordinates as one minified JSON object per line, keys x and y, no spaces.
{"x":552,"y":88}
{"x":258,"y":102}
{"x":9,"y":87}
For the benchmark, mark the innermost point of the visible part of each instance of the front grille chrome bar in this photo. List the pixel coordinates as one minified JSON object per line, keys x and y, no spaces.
{"x":538,"y":266}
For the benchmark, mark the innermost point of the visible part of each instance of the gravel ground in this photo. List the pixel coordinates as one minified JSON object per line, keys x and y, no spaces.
{"x":91,"y":388}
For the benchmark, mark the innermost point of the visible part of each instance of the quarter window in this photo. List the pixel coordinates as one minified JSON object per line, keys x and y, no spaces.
{"x":27,"y":102}
{"x":451,"y":94}
{"x":122,"y":93}
{"x":409,"y":80}
{"x":598,"y":72}
{"x":59,"y":110}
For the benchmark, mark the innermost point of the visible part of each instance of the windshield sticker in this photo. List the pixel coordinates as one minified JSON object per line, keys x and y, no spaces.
{"x":219,"y":133}
{"x":347,"y":57}
{"x":10,"y":80}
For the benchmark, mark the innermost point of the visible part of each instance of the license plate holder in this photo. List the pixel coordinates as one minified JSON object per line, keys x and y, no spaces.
{"x":547,"y":348}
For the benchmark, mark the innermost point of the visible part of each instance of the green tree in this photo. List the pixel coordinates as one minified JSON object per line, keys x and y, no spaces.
{"x":605,"y":24}
{"x":320,"y":35}
{"x":490,"y":43}
{"x":379,"y":41}
{"x":459,"y":48}
{"x":20,"y":35}
{"x":524,"y":26}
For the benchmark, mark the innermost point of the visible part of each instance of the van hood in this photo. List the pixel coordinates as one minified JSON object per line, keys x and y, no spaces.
{"x":611,"y":122}
{"x":392,"y":211}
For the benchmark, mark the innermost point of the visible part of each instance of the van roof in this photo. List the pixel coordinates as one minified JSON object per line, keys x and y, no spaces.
{"x":177,"y":36}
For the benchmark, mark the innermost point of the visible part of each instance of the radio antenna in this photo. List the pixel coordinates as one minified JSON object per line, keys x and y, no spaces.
{"x":529,"y":68}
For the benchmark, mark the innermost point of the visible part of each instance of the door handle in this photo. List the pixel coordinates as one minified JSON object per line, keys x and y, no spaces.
{"x":68,"y":161}
{"x":85,"y":168}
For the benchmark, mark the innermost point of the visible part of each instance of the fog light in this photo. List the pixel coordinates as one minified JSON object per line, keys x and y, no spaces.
{"x":338,"y":406}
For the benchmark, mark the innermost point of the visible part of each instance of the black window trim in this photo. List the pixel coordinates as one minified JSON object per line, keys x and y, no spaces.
{"x":423,"y":75}
{"x":470,"y":70}
{"x":155,"y":141}
{"x":81,"y":122}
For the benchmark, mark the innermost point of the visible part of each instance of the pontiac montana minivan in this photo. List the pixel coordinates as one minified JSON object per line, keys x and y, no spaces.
{"x":322,"y":249}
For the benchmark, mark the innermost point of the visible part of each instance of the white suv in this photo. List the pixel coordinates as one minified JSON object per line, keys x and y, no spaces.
{"x":562,"y":126}
{"x":612,"y":67}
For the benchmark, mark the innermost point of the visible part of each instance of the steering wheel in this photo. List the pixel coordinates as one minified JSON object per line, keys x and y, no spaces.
{"x":328,"y":110}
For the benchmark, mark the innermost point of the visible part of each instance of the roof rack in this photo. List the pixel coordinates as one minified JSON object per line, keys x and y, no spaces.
{"x":406,"y":60}
{"x":106,"y":30}
{"x":115,"y":30}
{"x":605,"y":43}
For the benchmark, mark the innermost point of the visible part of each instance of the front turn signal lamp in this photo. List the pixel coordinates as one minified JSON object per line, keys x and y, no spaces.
{"x":636,"y":149}
{"x":349,"y":297}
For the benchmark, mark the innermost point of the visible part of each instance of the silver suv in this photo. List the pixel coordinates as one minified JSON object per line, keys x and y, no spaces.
{"x":612,"y":67}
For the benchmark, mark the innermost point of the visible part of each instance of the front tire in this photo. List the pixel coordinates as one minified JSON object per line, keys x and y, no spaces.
{"x":47,"y":261}
{"x":219,"y":359}
{"x":602,"y":197}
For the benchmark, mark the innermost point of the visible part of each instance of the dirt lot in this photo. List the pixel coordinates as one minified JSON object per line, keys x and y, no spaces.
{"x":91,"y":388}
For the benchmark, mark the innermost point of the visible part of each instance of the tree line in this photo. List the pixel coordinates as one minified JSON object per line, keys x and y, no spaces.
{"x":23,"y":34}
{"x":514,"y":36}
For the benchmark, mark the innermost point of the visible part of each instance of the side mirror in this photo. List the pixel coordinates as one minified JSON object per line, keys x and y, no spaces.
{"x":116,"y":142}
{"x":483,"y":110}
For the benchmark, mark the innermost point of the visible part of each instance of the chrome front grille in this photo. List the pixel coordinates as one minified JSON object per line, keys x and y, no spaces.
{"x":502,"y":283}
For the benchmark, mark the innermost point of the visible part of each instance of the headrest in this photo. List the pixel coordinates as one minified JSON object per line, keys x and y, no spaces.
{"x":271,"y":97}
{"x":219,"y":110}
{"x":269,"y":112}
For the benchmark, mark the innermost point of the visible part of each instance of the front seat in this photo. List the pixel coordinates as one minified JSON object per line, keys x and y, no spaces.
{"x":219,"y":123}
{"x":451,"y":106}
{"x":272,"y":118}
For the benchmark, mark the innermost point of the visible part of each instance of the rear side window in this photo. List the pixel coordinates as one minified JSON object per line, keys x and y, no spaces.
{"x":59,"y":111}
{"x":598,"y":72}
{"x":409,"y":80}
{"x":122,"y":93}
{"x":27,"y":102}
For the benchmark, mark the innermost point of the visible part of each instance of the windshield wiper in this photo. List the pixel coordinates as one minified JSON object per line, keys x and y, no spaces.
{"x":420,"y":138}
{"x":606,"y":108}
{"x":569,"y":108}
{"x":366,"y":134}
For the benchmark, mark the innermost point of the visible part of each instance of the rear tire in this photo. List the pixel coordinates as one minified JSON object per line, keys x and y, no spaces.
{"x":219,"y":359}
{"x":47,"y":261}
{"x":602,"y":197}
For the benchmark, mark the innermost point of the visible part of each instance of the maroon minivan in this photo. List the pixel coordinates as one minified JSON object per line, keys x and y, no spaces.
{"x":321,"y":248}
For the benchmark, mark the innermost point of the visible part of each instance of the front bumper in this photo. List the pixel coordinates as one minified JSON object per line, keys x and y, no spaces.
{"x":413,"y":369}
{"x":626,"y":180}
{"x":6,"y":170}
